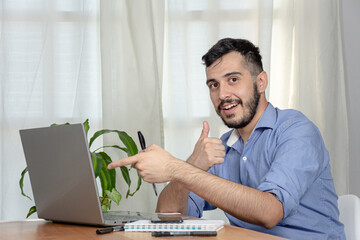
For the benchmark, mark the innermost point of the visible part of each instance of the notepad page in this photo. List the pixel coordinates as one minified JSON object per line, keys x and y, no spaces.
{"x":187,"y":225}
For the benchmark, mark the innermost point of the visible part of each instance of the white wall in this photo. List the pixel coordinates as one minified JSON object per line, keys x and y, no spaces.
{"x":351,"y":42}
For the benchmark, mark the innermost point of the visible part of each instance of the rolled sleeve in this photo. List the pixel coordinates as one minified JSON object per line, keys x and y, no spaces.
{"x":195,"y":205}
{"x":288,"y":202}
{"x":296,"y":164}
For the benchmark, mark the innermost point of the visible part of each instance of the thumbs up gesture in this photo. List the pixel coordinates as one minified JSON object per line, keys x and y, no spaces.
{"x":208,"y":151}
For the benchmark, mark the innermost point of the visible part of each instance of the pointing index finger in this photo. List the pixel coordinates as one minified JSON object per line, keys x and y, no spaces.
{"x":124,"y":162}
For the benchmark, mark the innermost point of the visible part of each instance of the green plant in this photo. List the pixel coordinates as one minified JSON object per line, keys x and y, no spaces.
{"x":100,"y":161}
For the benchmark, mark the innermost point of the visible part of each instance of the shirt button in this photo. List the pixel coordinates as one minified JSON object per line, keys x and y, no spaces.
{"x":244,"y":159}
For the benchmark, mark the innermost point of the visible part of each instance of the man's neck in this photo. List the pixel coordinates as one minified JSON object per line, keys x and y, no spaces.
{"x":246,"y":131}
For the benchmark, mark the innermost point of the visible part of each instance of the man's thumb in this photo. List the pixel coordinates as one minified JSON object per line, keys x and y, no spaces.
{"x":205,"y":130}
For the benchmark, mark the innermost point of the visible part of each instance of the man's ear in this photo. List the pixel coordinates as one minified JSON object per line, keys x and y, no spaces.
{"x":262,"y":81}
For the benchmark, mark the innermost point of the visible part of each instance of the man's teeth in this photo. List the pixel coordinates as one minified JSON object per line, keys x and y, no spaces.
{"x":230,"y":106}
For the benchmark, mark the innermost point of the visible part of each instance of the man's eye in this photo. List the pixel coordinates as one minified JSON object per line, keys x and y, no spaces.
{"x":233,"y":79}
{"x":213,"y":85}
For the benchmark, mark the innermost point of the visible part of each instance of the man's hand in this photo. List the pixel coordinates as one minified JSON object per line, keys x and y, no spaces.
{"x":208,"y":151}
{"x":155,"y":165}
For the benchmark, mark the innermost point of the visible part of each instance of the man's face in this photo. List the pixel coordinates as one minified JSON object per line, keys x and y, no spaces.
{"x":232,"y":90}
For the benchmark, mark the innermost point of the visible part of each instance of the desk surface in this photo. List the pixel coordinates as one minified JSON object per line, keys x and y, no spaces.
{"x":31,"y":230}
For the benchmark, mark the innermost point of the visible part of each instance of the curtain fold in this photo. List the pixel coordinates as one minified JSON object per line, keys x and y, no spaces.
{"x":49,"y":73}
{"x":307,"y":74}
{"x":132,"y":33}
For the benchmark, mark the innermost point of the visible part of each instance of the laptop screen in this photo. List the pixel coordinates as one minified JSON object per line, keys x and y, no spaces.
{"x":61,"y":174}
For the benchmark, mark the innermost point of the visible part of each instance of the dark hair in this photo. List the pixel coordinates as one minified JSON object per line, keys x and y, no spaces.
{"x":249,"y":51}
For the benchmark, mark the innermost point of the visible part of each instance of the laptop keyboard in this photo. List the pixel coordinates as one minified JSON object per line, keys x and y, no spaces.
{"x":122,"y":217}
{"x":126,"y":216}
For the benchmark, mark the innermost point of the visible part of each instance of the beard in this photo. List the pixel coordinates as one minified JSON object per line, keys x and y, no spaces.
{"x":249,"y":110}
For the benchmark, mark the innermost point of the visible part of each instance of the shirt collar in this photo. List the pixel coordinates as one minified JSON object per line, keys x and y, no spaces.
{"x":233,"y":138}
{"x":267,"y":120}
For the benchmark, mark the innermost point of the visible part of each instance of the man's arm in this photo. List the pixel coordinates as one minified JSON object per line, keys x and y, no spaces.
{"x":207,"y":152}
{"x":174,"y":198}
{"x":244,"y":203}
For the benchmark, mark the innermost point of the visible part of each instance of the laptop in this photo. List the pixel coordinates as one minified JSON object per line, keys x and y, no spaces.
{"x":63,"y":180}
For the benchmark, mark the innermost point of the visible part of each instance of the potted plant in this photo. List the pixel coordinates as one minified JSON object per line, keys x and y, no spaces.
{"x":101,"y":160}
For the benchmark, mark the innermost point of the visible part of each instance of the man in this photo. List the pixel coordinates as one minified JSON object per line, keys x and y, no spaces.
{"x":271,"y":173}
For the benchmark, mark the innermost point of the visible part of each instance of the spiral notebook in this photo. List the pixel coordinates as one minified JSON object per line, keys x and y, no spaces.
{"x":186,"y":225}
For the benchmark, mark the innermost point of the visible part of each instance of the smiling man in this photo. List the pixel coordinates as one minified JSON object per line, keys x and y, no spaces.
{"x":270,"y":173}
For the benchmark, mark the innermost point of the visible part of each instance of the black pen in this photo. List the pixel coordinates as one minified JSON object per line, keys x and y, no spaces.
{"x":143,"y":146}
{"x":190,"y":233}
{"x":110,"y":229}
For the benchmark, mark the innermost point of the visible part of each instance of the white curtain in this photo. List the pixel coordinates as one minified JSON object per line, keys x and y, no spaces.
{"x":301,"y":47}
{"x":49,"y":73}
{"x":307,"y":73}
{"x":132,"y":33}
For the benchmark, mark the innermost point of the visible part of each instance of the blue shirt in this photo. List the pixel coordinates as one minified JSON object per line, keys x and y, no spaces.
{"x":286,"y":156}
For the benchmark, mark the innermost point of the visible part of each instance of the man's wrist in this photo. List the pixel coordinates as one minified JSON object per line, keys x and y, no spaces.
{"x":178,"y":170}
{"x":190,"y":159}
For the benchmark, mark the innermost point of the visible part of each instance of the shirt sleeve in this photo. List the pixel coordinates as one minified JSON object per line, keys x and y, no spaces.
{"x":297,"y":161}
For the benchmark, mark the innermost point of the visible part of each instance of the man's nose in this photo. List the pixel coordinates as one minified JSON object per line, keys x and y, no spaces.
{"x":224,"y":92}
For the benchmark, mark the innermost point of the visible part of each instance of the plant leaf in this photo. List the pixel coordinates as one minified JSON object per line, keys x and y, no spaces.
{"x":123,"y":136}
{"x":112,"y":178}
{"x":105,"y":162}
{"x":107,"y":177}
{"x":128,"y":142}
{"x":97,"y":164}
{"x":105,"y":180}
{"x":31,"y":211}
{"x":21,"y":183}
{"x":105,"y":203}
{"x":126,"y":175}
{"x":138,"y":186}
{"x":104,"y":207}
{"x":139,"y":182}
{"x":106,"y":157}
{"x":115,"y":146}
{"x":114,"y":195}
{"x":98,"y":134}
{"x":86,"y":126}
{"x":124,"y":171}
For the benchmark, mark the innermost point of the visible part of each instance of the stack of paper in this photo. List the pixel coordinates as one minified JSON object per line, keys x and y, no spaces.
{"x":187,"y":225}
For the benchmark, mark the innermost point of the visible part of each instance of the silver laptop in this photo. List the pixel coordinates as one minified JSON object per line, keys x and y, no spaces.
{"x":62,"y":177}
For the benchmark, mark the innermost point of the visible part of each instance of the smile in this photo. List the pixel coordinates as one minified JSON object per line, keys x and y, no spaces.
{"x":230,"y":106}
